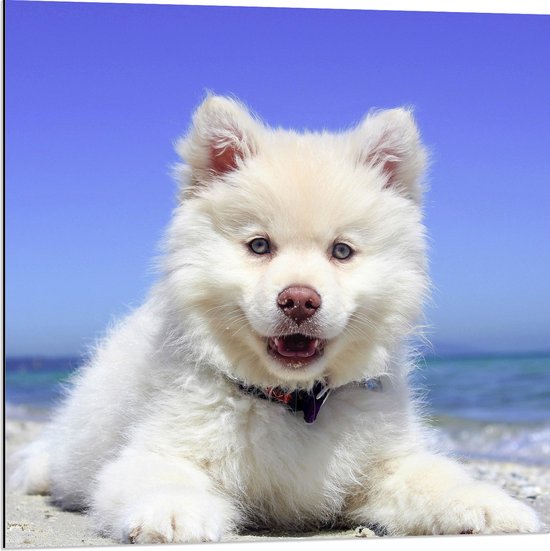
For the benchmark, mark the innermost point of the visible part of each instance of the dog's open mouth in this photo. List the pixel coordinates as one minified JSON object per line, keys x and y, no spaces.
{"x":295,"y":350}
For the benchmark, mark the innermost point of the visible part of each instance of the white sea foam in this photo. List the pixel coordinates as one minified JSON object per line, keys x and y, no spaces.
{"x":498,"y":441}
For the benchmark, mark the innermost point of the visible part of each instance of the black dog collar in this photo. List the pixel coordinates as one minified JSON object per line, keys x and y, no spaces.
{"x":309,"y":402}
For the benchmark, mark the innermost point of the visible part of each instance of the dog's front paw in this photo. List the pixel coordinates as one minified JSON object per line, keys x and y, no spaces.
{"x":479,"y":508}
{"x":177,"y":517}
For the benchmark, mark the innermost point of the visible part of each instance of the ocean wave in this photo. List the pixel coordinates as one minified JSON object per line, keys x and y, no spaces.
{"x":529,"y":443}
{"x":26,"y":412}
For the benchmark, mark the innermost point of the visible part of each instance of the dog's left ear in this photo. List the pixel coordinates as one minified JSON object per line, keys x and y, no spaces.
{"x":223,"y":135}
{"x":390,"y":141}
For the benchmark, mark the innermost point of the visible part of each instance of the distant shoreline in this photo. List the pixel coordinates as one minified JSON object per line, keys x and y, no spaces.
{"x":427,"y":354}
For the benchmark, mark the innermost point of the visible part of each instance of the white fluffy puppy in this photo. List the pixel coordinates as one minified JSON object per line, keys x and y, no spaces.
{"x":264,"y":381}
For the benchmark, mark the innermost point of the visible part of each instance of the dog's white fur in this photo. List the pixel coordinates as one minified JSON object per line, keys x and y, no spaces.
{"x":157,"y":439}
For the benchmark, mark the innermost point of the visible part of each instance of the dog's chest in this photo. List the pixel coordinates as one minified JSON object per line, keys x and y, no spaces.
{"x":279,"y":465}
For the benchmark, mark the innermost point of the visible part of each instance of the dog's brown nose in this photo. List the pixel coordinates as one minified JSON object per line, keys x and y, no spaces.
{"x":299,"y":303}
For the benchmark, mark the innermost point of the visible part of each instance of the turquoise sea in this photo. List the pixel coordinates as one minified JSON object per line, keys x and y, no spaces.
{"x":485,"y":407}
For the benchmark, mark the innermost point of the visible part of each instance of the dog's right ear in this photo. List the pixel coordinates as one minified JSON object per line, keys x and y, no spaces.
{"x":223,"y":135}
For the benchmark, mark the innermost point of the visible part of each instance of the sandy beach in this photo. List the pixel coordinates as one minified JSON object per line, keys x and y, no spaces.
{"x":33,"y":521}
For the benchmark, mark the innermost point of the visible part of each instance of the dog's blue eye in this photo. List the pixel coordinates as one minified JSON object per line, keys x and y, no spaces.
{"x":341,"y":251}
{"x":259,"y":245}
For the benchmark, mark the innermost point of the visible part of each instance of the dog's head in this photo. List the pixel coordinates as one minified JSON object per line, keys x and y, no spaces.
{"x":301,"y":256}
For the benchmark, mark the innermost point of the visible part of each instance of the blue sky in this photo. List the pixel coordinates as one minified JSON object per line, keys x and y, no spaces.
{"x":96,"y":94}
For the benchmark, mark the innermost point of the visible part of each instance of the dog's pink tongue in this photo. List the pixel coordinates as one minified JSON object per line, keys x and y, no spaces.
{"x":296,"y":346}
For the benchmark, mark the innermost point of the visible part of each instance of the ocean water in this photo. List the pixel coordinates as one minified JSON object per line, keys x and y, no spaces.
{"x":33,"y":386}
{"x":490,"y":407}
{"x":487,"y":407}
